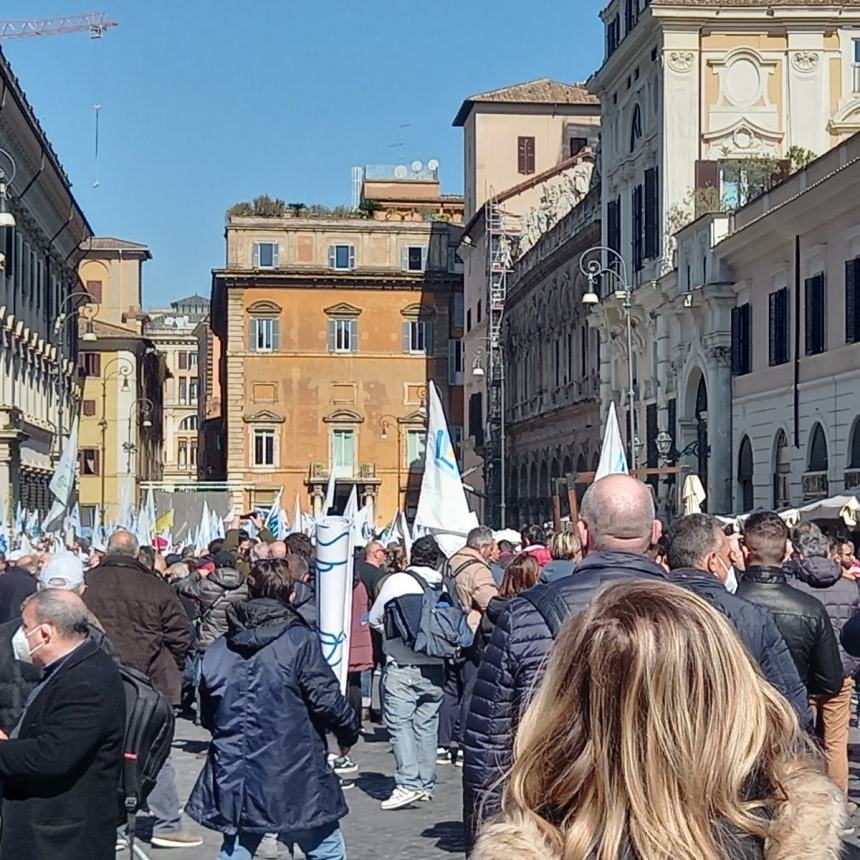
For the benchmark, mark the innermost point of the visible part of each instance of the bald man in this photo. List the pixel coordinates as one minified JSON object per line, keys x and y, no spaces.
{"x":617,"y":527}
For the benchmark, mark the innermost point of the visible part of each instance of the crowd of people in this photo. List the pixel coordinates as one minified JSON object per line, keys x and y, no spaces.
{"x":610,"y":690}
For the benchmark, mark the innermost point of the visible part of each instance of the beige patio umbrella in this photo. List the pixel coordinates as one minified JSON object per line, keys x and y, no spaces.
{"x":692,"y":495}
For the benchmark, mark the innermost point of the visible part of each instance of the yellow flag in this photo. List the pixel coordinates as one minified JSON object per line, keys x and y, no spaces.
{"x":165,"y":521}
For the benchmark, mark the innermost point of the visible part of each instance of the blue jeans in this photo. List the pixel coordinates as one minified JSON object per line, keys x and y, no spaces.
{"x":163,"y":801}
{"x":413,"y":696}
{"x":321,"y":843}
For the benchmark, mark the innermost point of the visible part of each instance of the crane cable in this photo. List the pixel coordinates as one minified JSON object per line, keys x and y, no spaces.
{"x":98,"y":71}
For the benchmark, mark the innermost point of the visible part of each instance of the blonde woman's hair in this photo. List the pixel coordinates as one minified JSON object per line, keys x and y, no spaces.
{"x":653,"y":732}
{"x":564,"y":545}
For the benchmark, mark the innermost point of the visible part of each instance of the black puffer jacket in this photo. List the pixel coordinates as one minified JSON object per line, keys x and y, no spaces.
{"x":823,"y":579}
{"x":804,"y":624}
{"x":223,"y":588}
{"x":757,"y":630}
{"x":512,"y":662}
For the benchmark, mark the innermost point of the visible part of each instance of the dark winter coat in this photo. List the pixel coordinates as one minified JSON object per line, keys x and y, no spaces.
{"x":823,"y":579}
{"x":17,"y":679}
{"x":16,"y":585}
{"x":144,"y":619}
{"x":513,"y":661}
{"x":757,"y":630}
{"x":61,"y":774}
{"x":558,"y":568}
{"x":804,"y":624}
{"x":223,"y":588}
{"x":489,"y":620}
{"x":268,"y":697}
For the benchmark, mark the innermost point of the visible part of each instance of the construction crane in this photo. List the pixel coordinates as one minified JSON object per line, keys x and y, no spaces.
{"x":94,"y":23}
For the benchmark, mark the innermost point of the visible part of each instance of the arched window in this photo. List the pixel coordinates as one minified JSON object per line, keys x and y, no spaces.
{"x":746,"y":494}
{"x":818,"y":460}
{"x":635,"y":127}
{"x":781,"y":471}
{"x":188,"y":424}
{"x":854,"y":446}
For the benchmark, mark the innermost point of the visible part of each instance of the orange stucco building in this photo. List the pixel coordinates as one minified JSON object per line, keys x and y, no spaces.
{"x":330,"y":331}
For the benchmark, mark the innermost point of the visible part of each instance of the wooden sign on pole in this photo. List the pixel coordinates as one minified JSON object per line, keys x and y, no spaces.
{"x":556,"y":505}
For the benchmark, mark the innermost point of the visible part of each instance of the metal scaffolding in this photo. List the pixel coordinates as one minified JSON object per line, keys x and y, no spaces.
{"x":501,"y":230}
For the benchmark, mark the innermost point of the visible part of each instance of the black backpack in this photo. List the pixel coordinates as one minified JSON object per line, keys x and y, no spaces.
{"x":149,"y":724}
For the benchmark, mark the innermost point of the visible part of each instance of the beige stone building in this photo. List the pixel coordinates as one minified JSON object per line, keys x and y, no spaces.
{"x":39,"y":295}
{"x":527,"y":158}
{"x":706,"y":106}
{"x":330,"y":330}
{"x":172,"y":331}
{"x":123,"y":375}
{"x":211,"y":451}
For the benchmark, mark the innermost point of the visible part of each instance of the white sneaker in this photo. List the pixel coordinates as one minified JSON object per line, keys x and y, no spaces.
{"x":401,"y":797}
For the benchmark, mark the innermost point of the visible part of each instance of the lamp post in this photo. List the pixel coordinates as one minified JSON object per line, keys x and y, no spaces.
{"x":591,"y":265}
{"x":478,"y":371}
{"x":143,"y":407}
{"x":7,"y":219}
{"x":124,"y":370}
{"x":88,"y":311}
{"x":385,"y":422}
{"x":670,"y":454}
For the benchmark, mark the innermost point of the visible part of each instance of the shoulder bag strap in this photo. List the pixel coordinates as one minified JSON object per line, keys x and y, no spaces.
{"x":549,"y":604}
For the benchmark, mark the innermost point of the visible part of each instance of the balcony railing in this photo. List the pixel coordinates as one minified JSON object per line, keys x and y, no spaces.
{"x":852,"y":479}
{"x":815,"y":485}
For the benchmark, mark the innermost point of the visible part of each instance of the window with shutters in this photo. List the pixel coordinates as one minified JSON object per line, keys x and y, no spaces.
{"x":88,"y":407}
{"x":343,"y":452}
{"x":88,"y":516}
{"x":265,"y":334}
{"x":852,"y":300}
{"x":637,"y":224}
{"x":343,"y":335}
{"x":90,"y":363}
{"x":193,"y":388}
{"x":94,"y":288}
{"x":613,"y":225}
{"x":183,"y":361}
{"x":264,"y":447}
{"x":415,"y":444}
{"x":781,"y":471}
{"x":414,"y":258}
{"x":476,"y":418}
{"x":182,"y":453}
{"x":635,"y":127}
{"x":613,"y":34}
{"x":182,"y":383}
{"x":89,"y":461}
{"x":418,"y":336}
{"x":741,"y":340}
{"x":525,"y":155}
{"x":265,"y":255}
{"x":746,"y":490}
{"x":652,"y":214}
{"x":778,"y":349}
{"x":455,"y":361}
{"x":455,"y":262}
{"x":341,"y":257}
{"x":478,"y":311}
{"x":457,"y":313}
{"x":814,"y":316}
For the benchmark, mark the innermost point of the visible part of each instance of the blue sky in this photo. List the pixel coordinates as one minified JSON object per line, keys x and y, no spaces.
{"x":207,"y":102}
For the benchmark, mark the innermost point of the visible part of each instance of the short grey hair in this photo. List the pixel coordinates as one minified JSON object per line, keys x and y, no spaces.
{"x":480,"y":536}
{"x":54,"y":606}
{"x":810,"y":541}
{"x":691,"y":539}
{"x":619,"y":512}
{"x":123,"y":542}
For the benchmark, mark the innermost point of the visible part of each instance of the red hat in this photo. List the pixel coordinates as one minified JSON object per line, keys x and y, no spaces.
{"x":160,"y":543}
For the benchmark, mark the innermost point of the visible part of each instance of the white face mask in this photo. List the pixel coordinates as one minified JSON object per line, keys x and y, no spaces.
{"x":731,"y":582}
{"x":21,"y":645}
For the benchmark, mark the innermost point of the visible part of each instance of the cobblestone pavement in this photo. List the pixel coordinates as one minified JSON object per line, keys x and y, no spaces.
{"x":426,"y":832}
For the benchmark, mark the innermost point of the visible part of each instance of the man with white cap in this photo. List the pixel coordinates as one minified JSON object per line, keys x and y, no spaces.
{"x":63,"y":571}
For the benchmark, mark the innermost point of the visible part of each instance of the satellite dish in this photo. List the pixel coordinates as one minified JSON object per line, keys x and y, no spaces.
{"x":416,"y":166}
{"x":400,"y":171}
{"x":433,"y":164}
{"x":169,"y":321}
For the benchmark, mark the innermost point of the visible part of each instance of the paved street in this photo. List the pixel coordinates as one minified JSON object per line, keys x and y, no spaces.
{"x":429,"y":831}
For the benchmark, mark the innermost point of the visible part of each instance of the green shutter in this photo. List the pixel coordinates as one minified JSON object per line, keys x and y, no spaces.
{"x":331,"y":335}
{"x":353,"y":335}
{"x":406,"y":339}
{"x":252,"y":336}
{"x":276,"y":335}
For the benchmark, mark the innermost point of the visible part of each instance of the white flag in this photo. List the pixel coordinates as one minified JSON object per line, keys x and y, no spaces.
{"x":204,"y":532}
{"x":612,"y":458}
{"x":63,"y":482}
{"x":273,"y":518}
{"x":329,"y":494}
{"x":442,"y":506}
{"x":297,"y":515}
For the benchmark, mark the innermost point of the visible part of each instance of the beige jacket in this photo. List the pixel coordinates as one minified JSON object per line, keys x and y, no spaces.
{"x":474,"y":584}
{"x":808,"y":827}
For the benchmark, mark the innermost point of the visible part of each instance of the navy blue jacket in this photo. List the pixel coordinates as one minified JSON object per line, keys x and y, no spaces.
{"x":512,"y":662}
{"x":757,"y":630}
{"x":268,"y":697}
